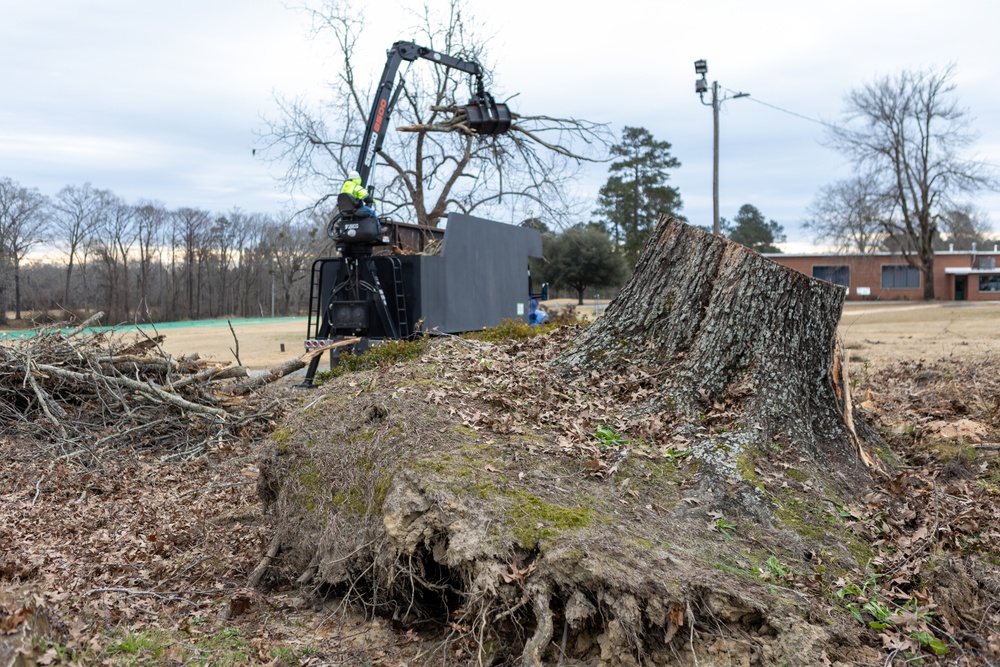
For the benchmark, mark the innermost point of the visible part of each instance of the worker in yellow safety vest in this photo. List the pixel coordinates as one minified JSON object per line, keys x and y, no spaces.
{"x":353,"y":187}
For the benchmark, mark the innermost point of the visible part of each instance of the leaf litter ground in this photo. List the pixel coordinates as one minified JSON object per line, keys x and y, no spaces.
{"x":136,"y":561}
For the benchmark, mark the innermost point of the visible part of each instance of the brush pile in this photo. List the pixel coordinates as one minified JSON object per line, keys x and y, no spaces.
{"x":92,"y":393}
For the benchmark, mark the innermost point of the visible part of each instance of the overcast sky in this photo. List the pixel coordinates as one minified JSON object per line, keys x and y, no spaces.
{"x":157,"y":100}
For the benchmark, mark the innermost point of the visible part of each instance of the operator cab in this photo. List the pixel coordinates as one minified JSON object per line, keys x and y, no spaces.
{"x":350,"y":231}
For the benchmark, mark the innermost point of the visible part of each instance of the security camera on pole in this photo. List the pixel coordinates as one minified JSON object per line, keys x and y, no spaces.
{"x":701,"y":87}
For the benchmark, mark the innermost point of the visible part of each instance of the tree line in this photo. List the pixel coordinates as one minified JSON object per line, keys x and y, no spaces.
{"x":140,"y":261}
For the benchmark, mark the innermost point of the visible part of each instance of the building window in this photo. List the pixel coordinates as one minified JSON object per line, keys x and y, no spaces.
{"x":838,"y":275}
{"x":989,"y":283}
{"x":986,"y":263}
{"x":900,"y":277}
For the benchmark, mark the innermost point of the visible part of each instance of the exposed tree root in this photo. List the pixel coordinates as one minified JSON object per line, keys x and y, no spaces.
{"x":430,"y":554}
{"x":533,"y":650}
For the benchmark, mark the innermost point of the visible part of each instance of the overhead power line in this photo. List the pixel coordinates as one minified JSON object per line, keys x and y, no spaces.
{"x":832,"y":126}
{"x":792,"y":113}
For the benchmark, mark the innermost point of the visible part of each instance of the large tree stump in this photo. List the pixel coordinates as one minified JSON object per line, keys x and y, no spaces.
{"x":622,"y":513}
{"x":727,"y":330}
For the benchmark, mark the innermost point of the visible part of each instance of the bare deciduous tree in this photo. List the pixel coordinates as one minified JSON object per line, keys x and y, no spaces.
{"x":150,"y":219}
{"x":964,"y":228}
{"x":907,"y":131}
{"x":23,"y":221}
{"x":851,"y":215}
{"x":114,"y":235}
{"x":223,"y":240}
{"x":77,"y":213}
{"x":290,"y":250}
{"x":436,"y":165}
{"x":251,"y":265}
{"x":190,"y":229}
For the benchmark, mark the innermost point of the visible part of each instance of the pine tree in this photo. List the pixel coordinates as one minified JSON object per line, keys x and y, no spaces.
{"x":636,"y":192}
{"x":751,"y":229}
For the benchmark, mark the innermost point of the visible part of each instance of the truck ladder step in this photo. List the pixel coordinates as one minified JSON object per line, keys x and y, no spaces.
{"x":397,"y":278}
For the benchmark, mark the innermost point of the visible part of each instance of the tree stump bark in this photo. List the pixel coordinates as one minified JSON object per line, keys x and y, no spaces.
{"x":719,"y":327}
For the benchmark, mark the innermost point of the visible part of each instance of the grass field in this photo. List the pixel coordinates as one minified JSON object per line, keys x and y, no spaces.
{"x":876,"y":333}
{"x":883,"y":333}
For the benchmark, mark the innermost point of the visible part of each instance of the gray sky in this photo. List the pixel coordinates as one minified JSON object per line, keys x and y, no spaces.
{"x":160,"y":100}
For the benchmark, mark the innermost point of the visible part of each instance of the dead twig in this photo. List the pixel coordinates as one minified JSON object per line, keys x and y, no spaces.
{"x":44,"y":400}
{"x":236,"y":352}
{"x":211,"y":373}
{"x":258,"y":572}
{"x":87,"y":323}
{"x":38,"y":490}
{"x":277,"y":372}
{"x":169,"y":597}
{"x":147,"y":388}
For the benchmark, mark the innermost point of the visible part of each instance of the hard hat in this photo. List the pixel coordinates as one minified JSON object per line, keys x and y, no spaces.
{"x":353,"y":174}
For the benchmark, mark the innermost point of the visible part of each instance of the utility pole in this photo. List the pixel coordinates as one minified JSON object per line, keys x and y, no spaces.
{"x":716,"y":221}
{"x":701,"y":87}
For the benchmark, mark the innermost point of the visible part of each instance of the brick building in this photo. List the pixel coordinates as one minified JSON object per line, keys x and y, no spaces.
{"x":958,"y":275}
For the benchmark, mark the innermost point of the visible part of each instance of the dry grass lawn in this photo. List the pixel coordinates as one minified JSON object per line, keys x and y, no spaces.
{"x":877,"y":333}
{"x":882,"y":333}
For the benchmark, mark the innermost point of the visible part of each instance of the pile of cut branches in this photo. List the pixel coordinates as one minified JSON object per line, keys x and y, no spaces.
{"x":93,"y":393}
{"x":524,"y":127}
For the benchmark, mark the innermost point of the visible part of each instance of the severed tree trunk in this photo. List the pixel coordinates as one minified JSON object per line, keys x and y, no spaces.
{"x":721,"y":329}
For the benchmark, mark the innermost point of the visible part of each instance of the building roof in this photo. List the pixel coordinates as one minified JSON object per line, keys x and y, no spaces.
{"x":966,"y":271}
{"x":994,"y":251}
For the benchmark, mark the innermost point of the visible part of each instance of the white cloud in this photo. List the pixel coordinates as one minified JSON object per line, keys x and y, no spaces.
{"x":160,"y":100}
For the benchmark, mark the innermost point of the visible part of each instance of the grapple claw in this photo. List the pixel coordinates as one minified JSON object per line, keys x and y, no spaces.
{"x":487,"y":117}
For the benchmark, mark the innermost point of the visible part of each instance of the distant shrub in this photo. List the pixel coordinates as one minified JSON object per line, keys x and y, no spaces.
{"x":382,"y":355}
{"x":510,"y":329}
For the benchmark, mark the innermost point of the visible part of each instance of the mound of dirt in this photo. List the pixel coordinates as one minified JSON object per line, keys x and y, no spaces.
{"x":475,"y":496}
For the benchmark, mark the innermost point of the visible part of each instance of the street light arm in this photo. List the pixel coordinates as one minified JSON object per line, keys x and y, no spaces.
{"x":726,"y":98}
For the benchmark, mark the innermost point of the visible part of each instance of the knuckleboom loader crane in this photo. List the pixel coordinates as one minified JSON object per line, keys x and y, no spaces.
{"x":486,"y":117}
{"x":403,"y":292}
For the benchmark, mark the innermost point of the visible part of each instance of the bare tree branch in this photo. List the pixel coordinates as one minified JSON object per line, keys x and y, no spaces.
{"x":437,"y":159}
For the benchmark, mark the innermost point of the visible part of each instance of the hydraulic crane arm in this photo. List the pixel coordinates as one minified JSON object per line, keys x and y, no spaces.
{"x":485,"y":116}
